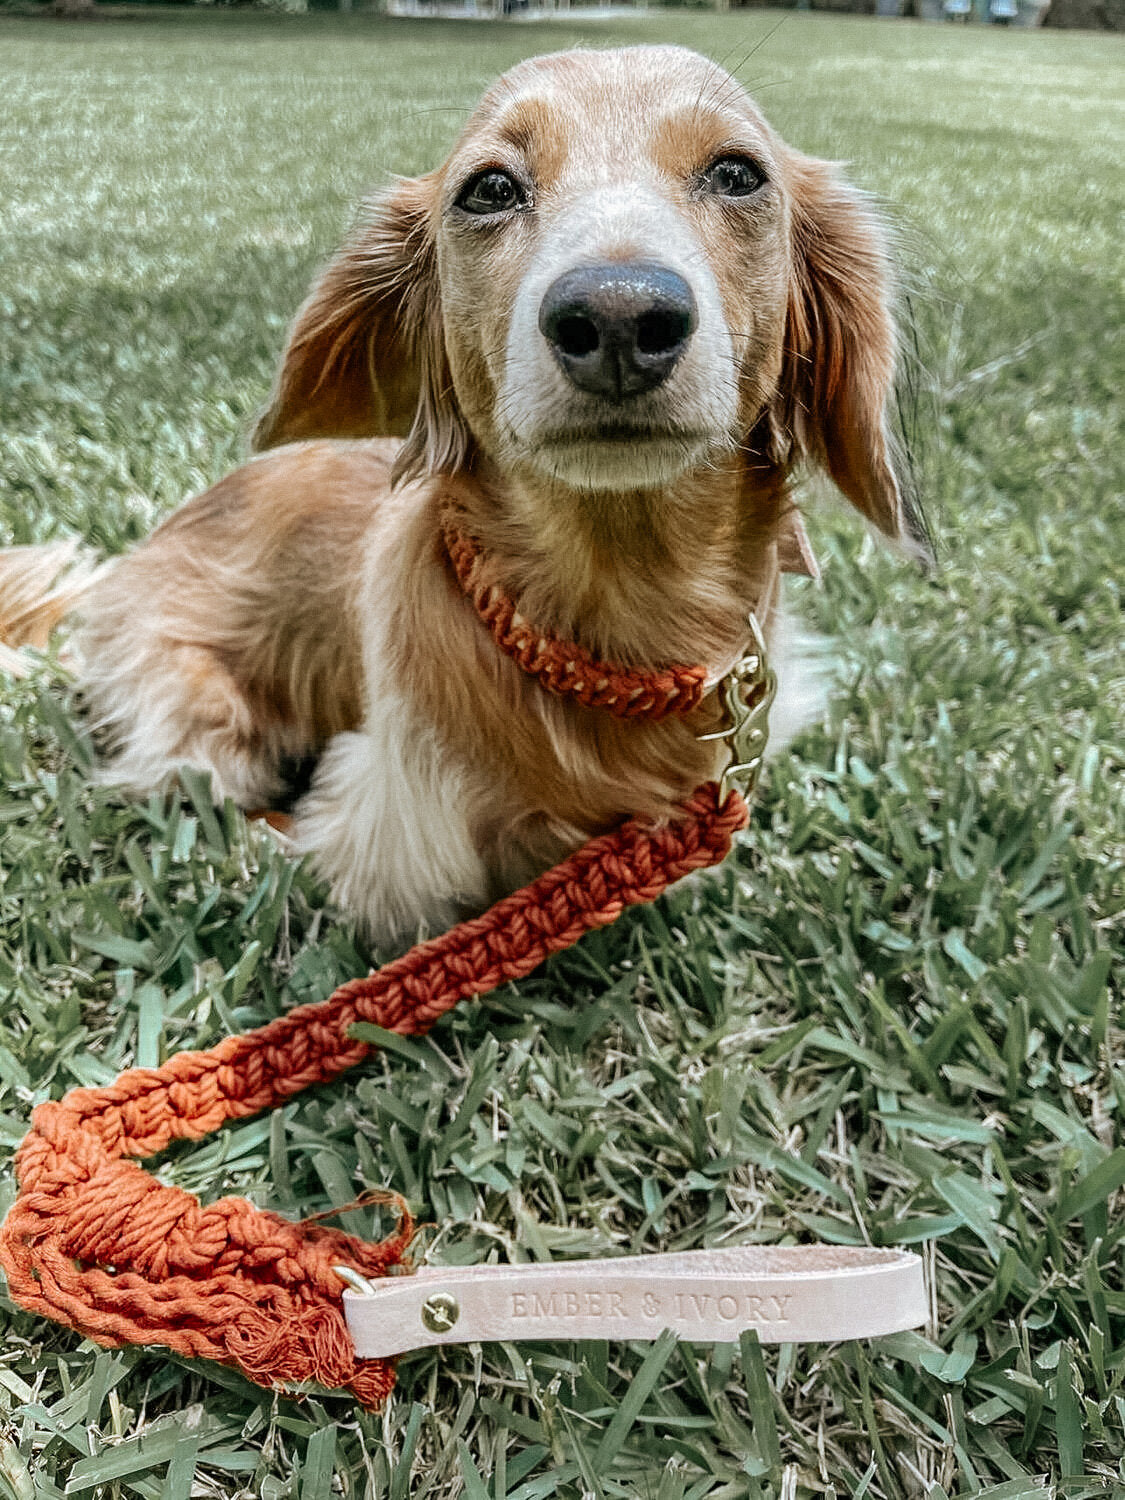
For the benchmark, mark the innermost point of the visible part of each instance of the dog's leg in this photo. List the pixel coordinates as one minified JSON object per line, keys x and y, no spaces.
{"x":160,"y":704}
{"x":164,"y":706}
{"x":387,"y":822}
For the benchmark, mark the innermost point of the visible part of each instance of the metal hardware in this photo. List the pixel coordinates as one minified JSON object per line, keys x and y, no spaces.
{"x":747,"y":693}
{"x":354,"y":1280}
{"x":440,"y":1311}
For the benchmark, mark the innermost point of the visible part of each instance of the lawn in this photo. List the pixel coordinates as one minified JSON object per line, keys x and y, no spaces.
{"x":891,"y":1019}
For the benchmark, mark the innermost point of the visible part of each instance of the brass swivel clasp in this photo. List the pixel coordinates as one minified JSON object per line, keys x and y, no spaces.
{"x":747,"y":693}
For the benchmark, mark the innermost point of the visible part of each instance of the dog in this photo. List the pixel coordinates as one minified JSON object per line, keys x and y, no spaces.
{"x":572,"y":374}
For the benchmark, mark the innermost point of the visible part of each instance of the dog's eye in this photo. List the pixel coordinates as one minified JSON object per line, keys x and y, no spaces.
{"x":491,"y":192}
{"x":733,"y":177}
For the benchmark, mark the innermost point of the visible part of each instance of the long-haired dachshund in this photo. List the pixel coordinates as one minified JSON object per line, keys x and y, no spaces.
{"x":606,"y":331}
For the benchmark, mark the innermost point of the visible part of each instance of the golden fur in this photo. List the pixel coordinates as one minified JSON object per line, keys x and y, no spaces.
{"x":304,"y":603}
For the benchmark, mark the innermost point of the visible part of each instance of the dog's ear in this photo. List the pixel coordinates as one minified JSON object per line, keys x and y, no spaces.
{"x":365,"y":356}
{"x":838,"y":379}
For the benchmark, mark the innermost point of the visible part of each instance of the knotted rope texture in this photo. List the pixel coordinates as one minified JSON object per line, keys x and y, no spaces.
{"x":563,"y":667}
{"x":95,"y":1242}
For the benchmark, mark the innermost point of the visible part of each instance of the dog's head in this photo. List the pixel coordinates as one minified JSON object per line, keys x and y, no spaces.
{"x":620,"y":274}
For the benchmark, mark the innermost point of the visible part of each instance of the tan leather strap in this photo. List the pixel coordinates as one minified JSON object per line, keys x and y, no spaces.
{"x":813,"y":1293}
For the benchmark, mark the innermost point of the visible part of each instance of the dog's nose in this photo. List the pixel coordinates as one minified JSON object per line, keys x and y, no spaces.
{"x":618,"y":329}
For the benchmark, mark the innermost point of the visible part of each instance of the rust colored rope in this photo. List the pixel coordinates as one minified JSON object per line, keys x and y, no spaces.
{"x":95,"y":1242}
{"x":563,"y":667}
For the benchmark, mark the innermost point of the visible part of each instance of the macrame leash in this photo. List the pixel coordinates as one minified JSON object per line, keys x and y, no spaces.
{"x":95,"y":1242}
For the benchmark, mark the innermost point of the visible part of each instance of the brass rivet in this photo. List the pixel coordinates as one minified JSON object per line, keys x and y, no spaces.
{"x":440,"y":1311}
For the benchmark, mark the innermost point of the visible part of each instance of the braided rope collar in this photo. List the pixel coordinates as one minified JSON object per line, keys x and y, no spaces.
{"x":563,"y":667}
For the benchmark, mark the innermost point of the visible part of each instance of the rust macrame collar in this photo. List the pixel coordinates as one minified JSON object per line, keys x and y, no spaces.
{"x":567,"y":669}
{"x":563,"y":667}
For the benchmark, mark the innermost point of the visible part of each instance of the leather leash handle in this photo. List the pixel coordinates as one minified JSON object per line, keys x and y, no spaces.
{"x":800,"y":1294}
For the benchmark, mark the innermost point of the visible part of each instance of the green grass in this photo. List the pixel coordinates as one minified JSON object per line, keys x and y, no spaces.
{"x":890,"y":1019}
